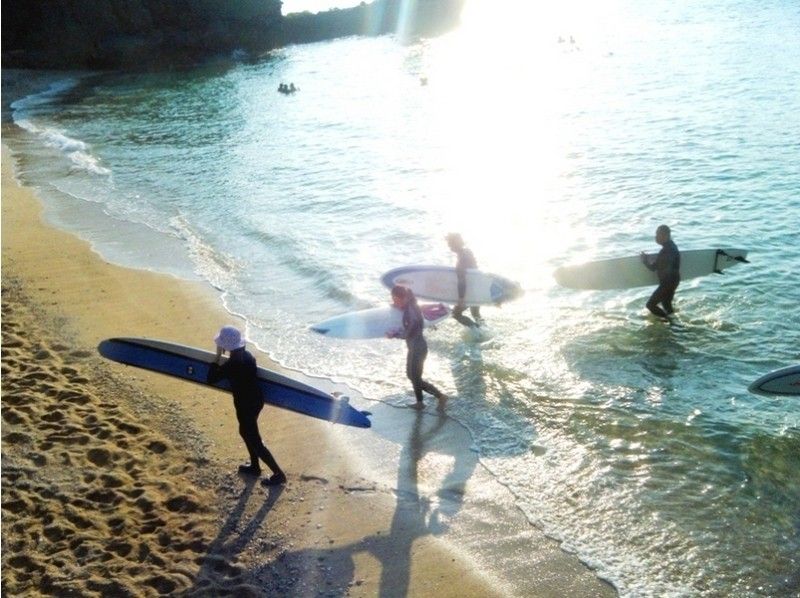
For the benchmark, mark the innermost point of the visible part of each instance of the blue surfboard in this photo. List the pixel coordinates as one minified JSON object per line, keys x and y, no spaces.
{"x":188,"y":363}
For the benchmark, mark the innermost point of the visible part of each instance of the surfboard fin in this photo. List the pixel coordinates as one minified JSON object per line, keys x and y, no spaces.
{"x":738,"y":258}
{"x":720,"y":252}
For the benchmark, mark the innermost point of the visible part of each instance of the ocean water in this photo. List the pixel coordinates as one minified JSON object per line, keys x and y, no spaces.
{"x":545,"y":136}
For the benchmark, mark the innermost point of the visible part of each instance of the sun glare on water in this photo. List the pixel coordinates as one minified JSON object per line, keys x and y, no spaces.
{"x":500,"y":88}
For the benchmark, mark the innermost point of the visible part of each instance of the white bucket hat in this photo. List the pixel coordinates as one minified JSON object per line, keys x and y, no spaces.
{"x":229,"y":338}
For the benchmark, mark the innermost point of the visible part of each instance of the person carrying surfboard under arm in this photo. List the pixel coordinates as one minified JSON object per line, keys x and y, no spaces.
{"x":403,"y":299}
{"x":240,"y":371}
{"x":465,"y":259}
{"x":667,"y":264}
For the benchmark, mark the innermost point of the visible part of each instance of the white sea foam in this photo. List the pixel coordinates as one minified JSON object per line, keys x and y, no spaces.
{"x":75,"y":150}
{"x":25,"y":112}
{"x":216,"y":267}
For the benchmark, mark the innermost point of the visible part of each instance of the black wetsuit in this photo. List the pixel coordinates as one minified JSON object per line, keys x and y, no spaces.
{"x":240,"y":371}
{"x":465,"y":260}
{"x":417,"y":351}
{"x":668,"y":268}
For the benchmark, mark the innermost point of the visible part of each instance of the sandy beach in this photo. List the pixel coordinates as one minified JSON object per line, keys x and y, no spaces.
{"x":119,"y":482}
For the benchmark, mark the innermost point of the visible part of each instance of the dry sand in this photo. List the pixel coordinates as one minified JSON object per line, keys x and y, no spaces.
{"x":118,"y":482}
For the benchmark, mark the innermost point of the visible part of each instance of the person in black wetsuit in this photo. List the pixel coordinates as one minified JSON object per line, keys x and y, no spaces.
{"x":667,"y":265}
{"x":403,"y":298}
{"x":240,"y":371}
{"x":465,"y":260}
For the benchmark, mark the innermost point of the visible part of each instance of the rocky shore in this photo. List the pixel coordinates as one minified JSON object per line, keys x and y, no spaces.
{"x":155,"y":35}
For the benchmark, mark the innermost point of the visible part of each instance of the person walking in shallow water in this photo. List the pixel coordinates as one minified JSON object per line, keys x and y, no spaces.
{"x":667,"y":264}
{"x":240,"y":371}
{"x":465,"y":259}
{"x":403,"y":299}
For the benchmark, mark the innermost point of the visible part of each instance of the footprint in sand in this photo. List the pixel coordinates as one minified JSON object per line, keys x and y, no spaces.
{"x":56,"y":533}
{"x":110,"y":481}
{"x":10,"y":416}
{"x":76,"y":519}
{"x":14,"y":400}
{"x":73,"y":396}
{"x":163,"y":585}
{"x":43,"y":354}
{"x":16,"y":438}
{"x":119,"y":548}
{"x":157,"y":447}
{"x":53,"y":416}
{"x":135,"y":493}
{"x":104,"y":497}
{"x":68,"y":438}
{"x":38,"y":459}
{"x":25,"y":563}
{"x":182,"y":504}
{"x":16,"y":506}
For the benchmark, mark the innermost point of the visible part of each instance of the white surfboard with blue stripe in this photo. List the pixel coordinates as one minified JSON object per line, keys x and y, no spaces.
{"x":440,"y":283}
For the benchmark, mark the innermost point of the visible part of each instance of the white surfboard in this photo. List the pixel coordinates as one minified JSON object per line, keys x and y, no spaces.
{"x":440,"y":283}
{"x":785,"y":381}
{"x":376,"y":322}
{"x":630,"y":272}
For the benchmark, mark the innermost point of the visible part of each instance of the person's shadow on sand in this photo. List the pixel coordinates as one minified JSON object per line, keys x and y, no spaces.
{"x":232,"y":539}
{"x":413,"y":518}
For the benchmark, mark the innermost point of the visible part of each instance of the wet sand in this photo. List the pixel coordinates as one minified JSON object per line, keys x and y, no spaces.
{"x":119,"y":482}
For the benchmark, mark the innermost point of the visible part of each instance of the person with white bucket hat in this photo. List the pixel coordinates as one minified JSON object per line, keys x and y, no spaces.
{"x":240,"y":371}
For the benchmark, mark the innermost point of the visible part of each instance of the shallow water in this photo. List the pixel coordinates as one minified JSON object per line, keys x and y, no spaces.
{"x":559,"y":137}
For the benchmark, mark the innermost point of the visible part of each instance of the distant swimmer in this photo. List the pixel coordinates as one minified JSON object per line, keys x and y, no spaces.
{"x":403,"y":299}
{"x":464,"y":260}
{"x":667,"y":264}
{"x":240,"y":371}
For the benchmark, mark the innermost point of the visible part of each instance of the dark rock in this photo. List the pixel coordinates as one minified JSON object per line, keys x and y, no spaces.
{"x":153,"y":34}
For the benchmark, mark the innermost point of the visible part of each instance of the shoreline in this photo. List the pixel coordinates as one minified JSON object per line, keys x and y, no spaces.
{"x":317,"y":524}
